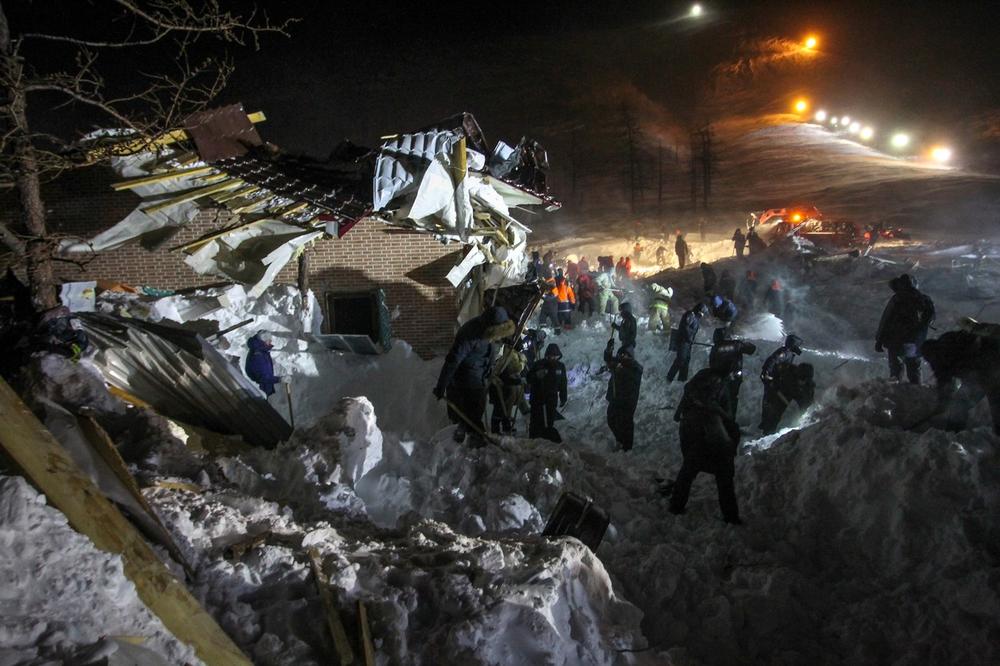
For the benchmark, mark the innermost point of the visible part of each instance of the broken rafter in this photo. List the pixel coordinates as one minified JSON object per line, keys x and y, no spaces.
{"x":191,"y":195}
{"x":215,"y":235}
{"x":242,"y":192}
{"x":161,"y":177}
{"x":343,"y":646}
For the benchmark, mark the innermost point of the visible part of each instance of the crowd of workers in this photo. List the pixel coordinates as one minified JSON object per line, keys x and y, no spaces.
{"x":709,"y":434}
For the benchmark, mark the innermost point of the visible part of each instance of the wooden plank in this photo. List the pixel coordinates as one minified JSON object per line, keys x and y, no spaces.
{"x":208,"y":238}
{"x":152,"y":179}
{"x":106,"y":449}
{"x":367,"y":648}
{"x":191,"y":195}
{"x":340,"y":641}
{"x":68,"y":489}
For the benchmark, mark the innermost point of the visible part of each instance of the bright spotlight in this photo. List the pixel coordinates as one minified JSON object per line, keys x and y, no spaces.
{"x":810,"y":42}
{"x":845,"y":121}
{"x":801,"y":106}
{"x":835,"y":121}
{"x":854,"y":128}
{"x":820,"y":116}
{"x":941,"y":154}
{"x":900,"y":140}
{"x":867,"y":133}
{"x":696,"y":10}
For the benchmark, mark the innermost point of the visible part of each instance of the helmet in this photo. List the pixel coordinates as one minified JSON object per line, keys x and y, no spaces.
{"x":794,"y":343}
{"x":701,"y":309}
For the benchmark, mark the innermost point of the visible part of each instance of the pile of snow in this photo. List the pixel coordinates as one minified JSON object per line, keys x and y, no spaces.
{"x":62,"y":598}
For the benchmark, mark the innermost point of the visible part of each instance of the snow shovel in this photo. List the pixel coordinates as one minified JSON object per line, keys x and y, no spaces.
{"x":475,"y":428}
{"x":288,"y":395}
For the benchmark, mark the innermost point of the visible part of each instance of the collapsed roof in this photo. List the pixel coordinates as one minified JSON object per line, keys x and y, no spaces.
{"x":442,"y":179}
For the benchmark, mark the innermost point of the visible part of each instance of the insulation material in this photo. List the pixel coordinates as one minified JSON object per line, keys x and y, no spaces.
{"x":457,"y":274}
{"x":79,"y":296}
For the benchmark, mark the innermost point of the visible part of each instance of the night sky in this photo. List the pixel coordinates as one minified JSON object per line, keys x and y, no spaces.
{"x":361,"y":69}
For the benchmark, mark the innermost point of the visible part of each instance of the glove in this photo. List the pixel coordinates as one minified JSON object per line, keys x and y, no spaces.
{"x":438,"y":393}
{"x":879,"y":348}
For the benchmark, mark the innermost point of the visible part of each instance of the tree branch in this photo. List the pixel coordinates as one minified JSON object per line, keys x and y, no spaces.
{"x":11,"y":240}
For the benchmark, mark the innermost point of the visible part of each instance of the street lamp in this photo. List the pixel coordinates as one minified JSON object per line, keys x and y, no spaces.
{"x":820,"y":116}
{"x":801,"y":106}
{"x":867,"y":133}
{"x":696,"y":10}
{"x":941,"y":154}
{"x":810,"y":43}
{"x":900,"y":140}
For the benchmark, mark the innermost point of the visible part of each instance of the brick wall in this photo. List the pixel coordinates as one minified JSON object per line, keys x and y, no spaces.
{"x":409,"y":266}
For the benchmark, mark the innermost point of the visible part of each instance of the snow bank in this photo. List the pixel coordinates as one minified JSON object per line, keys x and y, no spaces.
{"x":61,"y":596}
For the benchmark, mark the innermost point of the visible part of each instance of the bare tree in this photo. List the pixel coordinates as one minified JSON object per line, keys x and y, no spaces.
{"x":69,"y":66}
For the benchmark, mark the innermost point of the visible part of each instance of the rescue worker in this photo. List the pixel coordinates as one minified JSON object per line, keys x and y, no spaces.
{"x":966,"y":365}
{"x":531,"y":345}
{"x":572,"y":271}
{"x":549,"y":312}
{"x":724,"y":309}
{"x":739,"y":242}
{"x":709,"y":439}
{"x":682,"y":250}
{"x":661,"y":255}
{"x":627,"y":328}
{"x":727,"y":356}
{"x":606,"y":292}
{"x":755,"y":243}
{"x":548,"y":269}
{"x":585,"y":295}
{"x":903,"y":327}
{"x":727,"y":285}
{"x":637,"y":251}
{"x":774,"y":299}
{"x":708,"y":278}
{"x":535,"y":268}
{"x":683,"y":339}
{"x":659,"y":308}
{"x":467,"y":369}
{"x":623,"y":393}
{"x":777,"y":368}
{"x":747,"y":296}
{"x":567,"y":302}
{"x":259,"y":365}
{"x":620,"y":272}
{"x":548,"y":386}
{"x":583,"y":266}
{"x":507,"y":392}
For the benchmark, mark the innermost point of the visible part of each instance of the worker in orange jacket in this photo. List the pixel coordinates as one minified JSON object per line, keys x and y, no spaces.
{"x":567,"y":301}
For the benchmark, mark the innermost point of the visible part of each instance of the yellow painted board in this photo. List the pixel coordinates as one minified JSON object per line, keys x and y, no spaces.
{"x":161,"y":177}
{"x":47,"y":464}
{"x":342,"y":644}
{"x":191,"y":195}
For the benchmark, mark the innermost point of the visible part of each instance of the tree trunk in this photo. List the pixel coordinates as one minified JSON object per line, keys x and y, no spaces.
{"x":39,"y":248}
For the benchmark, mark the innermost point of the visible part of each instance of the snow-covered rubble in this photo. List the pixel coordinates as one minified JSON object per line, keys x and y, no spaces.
{"x":871,"y":535}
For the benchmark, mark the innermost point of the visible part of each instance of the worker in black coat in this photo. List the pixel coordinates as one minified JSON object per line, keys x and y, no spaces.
{"x":627,"y":328}
{"x":777,"y":372}
{"x":966,"y":365}
{"x":682,"y":250}
{"x":903,"y":327}
{"x":727,"y":357}
{"x":468,"y":367}
{"x":548,"y":386}
{"x":708,"y":278}
{"x":682,"y":340}
{"x":531,"y":345}
{"x":623,"y":393}
{"x":709,"y":440}
{"x":739,"y":242}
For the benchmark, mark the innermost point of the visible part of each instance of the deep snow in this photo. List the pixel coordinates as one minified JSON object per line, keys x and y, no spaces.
{"x":864,"y":542}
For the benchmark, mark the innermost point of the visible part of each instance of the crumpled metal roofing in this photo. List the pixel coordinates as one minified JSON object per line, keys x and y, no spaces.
{"x":183,"y":377}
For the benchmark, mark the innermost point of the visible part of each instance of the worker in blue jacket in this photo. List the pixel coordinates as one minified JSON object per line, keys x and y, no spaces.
{"x":259,"y":365}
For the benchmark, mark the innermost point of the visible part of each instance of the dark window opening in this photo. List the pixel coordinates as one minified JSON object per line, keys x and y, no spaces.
{"x":359,"y":313}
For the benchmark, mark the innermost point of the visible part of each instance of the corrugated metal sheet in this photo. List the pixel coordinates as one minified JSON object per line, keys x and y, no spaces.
{"x":183,"y":377}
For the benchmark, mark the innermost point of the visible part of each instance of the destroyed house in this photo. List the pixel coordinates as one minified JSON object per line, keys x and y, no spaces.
{"x":377,"y":235}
